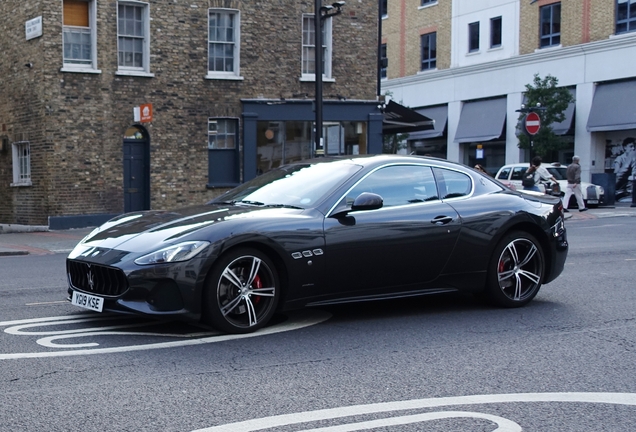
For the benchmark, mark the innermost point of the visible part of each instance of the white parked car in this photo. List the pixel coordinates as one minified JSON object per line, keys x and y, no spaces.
{"x":593,"y":195}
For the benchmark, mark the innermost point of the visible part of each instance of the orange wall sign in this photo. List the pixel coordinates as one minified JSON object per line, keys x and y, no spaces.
{"x":146,"y":113}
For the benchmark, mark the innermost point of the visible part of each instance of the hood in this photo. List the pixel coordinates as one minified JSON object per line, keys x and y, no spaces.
{"x":143,"y":231}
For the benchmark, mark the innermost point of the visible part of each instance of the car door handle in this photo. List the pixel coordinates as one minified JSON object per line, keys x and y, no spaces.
{"x":441,"y":220}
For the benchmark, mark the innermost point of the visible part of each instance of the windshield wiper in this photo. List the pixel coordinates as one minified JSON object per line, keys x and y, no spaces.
{"x":284,"y":206}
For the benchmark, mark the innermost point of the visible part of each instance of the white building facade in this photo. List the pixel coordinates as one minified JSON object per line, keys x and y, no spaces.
{"x":475,"y":99}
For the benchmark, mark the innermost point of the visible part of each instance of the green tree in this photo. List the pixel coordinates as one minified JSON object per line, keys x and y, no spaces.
{"x":554,"y":101}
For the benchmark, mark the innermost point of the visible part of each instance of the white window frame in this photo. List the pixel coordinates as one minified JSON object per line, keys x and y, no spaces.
{"x":144,"y":70}
{"x":21,"y":163}
{"x":327,"y":46}
{"x":215,"y":131}
{"x":92,"y":27}
{"x":236,"y":73}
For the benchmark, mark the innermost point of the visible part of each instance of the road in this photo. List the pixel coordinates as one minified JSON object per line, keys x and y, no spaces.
{"x":445,"y":363}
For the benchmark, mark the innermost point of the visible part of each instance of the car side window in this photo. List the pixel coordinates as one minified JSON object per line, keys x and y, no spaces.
{"x":398,"y":185}
{"x":452,"y":184}
{"x":504,"y":174}
{"x":517,"y":173}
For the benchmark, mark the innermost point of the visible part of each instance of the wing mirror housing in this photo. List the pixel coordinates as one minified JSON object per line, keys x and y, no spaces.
{"x":367,"y":201}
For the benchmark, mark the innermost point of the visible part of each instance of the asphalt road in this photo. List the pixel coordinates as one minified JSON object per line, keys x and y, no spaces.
{"x":444,"y":363}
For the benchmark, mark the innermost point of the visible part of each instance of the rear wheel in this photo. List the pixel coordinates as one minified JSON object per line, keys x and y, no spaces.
{"x":516,"y":270}
{"x":242,"y":291}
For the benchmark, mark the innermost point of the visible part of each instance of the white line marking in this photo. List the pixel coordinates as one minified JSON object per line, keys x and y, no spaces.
{"x":334,"y":413}
{"x":310,"y":317}
{"x":46,"y":303}
{"x":504,"y":425}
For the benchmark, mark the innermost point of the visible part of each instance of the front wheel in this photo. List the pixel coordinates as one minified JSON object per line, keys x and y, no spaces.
{"x":242,"y":291}
{"x":516,"y":270}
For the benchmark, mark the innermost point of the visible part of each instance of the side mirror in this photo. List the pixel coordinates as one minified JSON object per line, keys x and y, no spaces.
{"x":367,"y":201}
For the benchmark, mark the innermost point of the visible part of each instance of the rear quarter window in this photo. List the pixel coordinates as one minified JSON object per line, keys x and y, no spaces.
{"x":504,"y":174}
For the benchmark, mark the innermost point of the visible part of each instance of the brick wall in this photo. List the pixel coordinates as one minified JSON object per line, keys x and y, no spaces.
{"x":582,"y":21}
{"x":75,"y":122}
{"x":402,"y":29}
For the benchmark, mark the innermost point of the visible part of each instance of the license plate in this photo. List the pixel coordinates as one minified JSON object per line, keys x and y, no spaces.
{"x":87,"y":301}
{"x":592,"y":201}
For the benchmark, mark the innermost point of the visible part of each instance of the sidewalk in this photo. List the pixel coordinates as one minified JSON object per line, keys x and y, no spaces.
{"x":39,"y":240}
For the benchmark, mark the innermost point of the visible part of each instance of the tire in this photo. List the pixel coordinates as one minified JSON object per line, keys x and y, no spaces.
{"x":241,"y":292}
{"x":516,"y":270}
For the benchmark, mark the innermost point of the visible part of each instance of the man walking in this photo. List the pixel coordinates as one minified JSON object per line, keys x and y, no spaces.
{"x":573,"y":174}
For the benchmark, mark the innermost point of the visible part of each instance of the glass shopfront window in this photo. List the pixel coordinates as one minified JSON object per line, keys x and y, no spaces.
{"x":282,"y":142}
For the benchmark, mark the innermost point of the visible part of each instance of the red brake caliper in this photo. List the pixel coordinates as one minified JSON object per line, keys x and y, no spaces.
{"x":256,"y":285}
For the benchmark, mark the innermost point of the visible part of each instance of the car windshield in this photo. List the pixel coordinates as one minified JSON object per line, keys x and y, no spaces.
{"x":298,"y":185}
{"x":558,"y":172}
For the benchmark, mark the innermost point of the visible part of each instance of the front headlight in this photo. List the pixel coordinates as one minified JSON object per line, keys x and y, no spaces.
{"x":174,"y":253}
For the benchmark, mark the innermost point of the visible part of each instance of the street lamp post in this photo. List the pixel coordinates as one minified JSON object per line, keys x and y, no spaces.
{"x":320,"y":14}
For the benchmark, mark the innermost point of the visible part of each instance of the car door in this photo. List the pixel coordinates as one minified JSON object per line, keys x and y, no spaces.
{"x":399,"y":246}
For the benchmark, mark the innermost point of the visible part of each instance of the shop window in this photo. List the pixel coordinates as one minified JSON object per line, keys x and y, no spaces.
{"x":21,"y":152}
{"x":223,"y":43}
{"x":550,"y":27}
{"x":79,"y":35}
{"x":223,"y":155}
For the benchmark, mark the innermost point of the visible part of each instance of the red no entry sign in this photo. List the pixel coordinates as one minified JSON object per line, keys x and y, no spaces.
{"x":533,"y":123}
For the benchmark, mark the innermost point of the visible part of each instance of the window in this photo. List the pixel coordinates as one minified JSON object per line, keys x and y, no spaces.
{"x":385,"y":8}
{"x":222,"y":133}
{"x":550,"y":27}
{"x":78,"y":35}
{"x":133,"y":43}
{"x":223,"y":156}
{"x":309,"y":46}
{"x":495,"y":32}
{"x":21,"y":163}
{"x":223,"y":43}
{"x":428,"y":44}
{"x":398,"y":185}
{"x":473,"y":37}
{"x":428,"y":2}
{"x":625,"y":16}
{"x":384,"y":62}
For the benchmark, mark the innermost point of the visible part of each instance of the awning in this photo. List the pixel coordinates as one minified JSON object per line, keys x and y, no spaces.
{"x":400,"y":119}
{"x":437,"y":113}
{"x":481,"y":120}
{"x":613,"y":107}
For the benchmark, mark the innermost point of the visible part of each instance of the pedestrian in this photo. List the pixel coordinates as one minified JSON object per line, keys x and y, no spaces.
{"x":573,"y":174}
{"x":481,"y":169}
{"x":534,"y":174}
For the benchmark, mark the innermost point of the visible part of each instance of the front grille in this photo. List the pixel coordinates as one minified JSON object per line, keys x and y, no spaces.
{"x":96,"y":279}
{"x":591,"y":193}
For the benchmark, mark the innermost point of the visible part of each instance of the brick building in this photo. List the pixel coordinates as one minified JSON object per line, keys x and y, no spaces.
{"x":112,"y":106}
{"x":465,"y":63}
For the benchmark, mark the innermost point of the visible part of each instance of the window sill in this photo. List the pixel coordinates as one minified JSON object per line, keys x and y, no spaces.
{"x":427,"y":5}
{"x":495,"y":48}
{"x":312,"y":78}
{"x":426,"y":70}
{"x":22,"y":184}
{"x":472,"y":53}
{"x":213,"y":76}
{"x":548,"y":48}
{"x":631,"y":33}
{"x":87,"y":70}
{"x":135,"y":73}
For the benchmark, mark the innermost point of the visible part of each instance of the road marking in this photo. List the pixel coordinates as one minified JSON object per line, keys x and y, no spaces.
{"x":385,"y":407}
{"x":46,"y":303}
{"x":295,"y":321}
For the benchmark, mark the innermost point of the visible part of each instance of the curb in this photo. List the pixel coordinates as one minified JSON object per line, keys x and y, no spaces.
{"x":13,"y":228}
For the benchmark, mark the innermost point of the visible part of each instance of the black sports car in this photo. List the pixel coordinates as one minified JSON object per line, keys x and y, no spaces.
{"x":324,"y":231}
